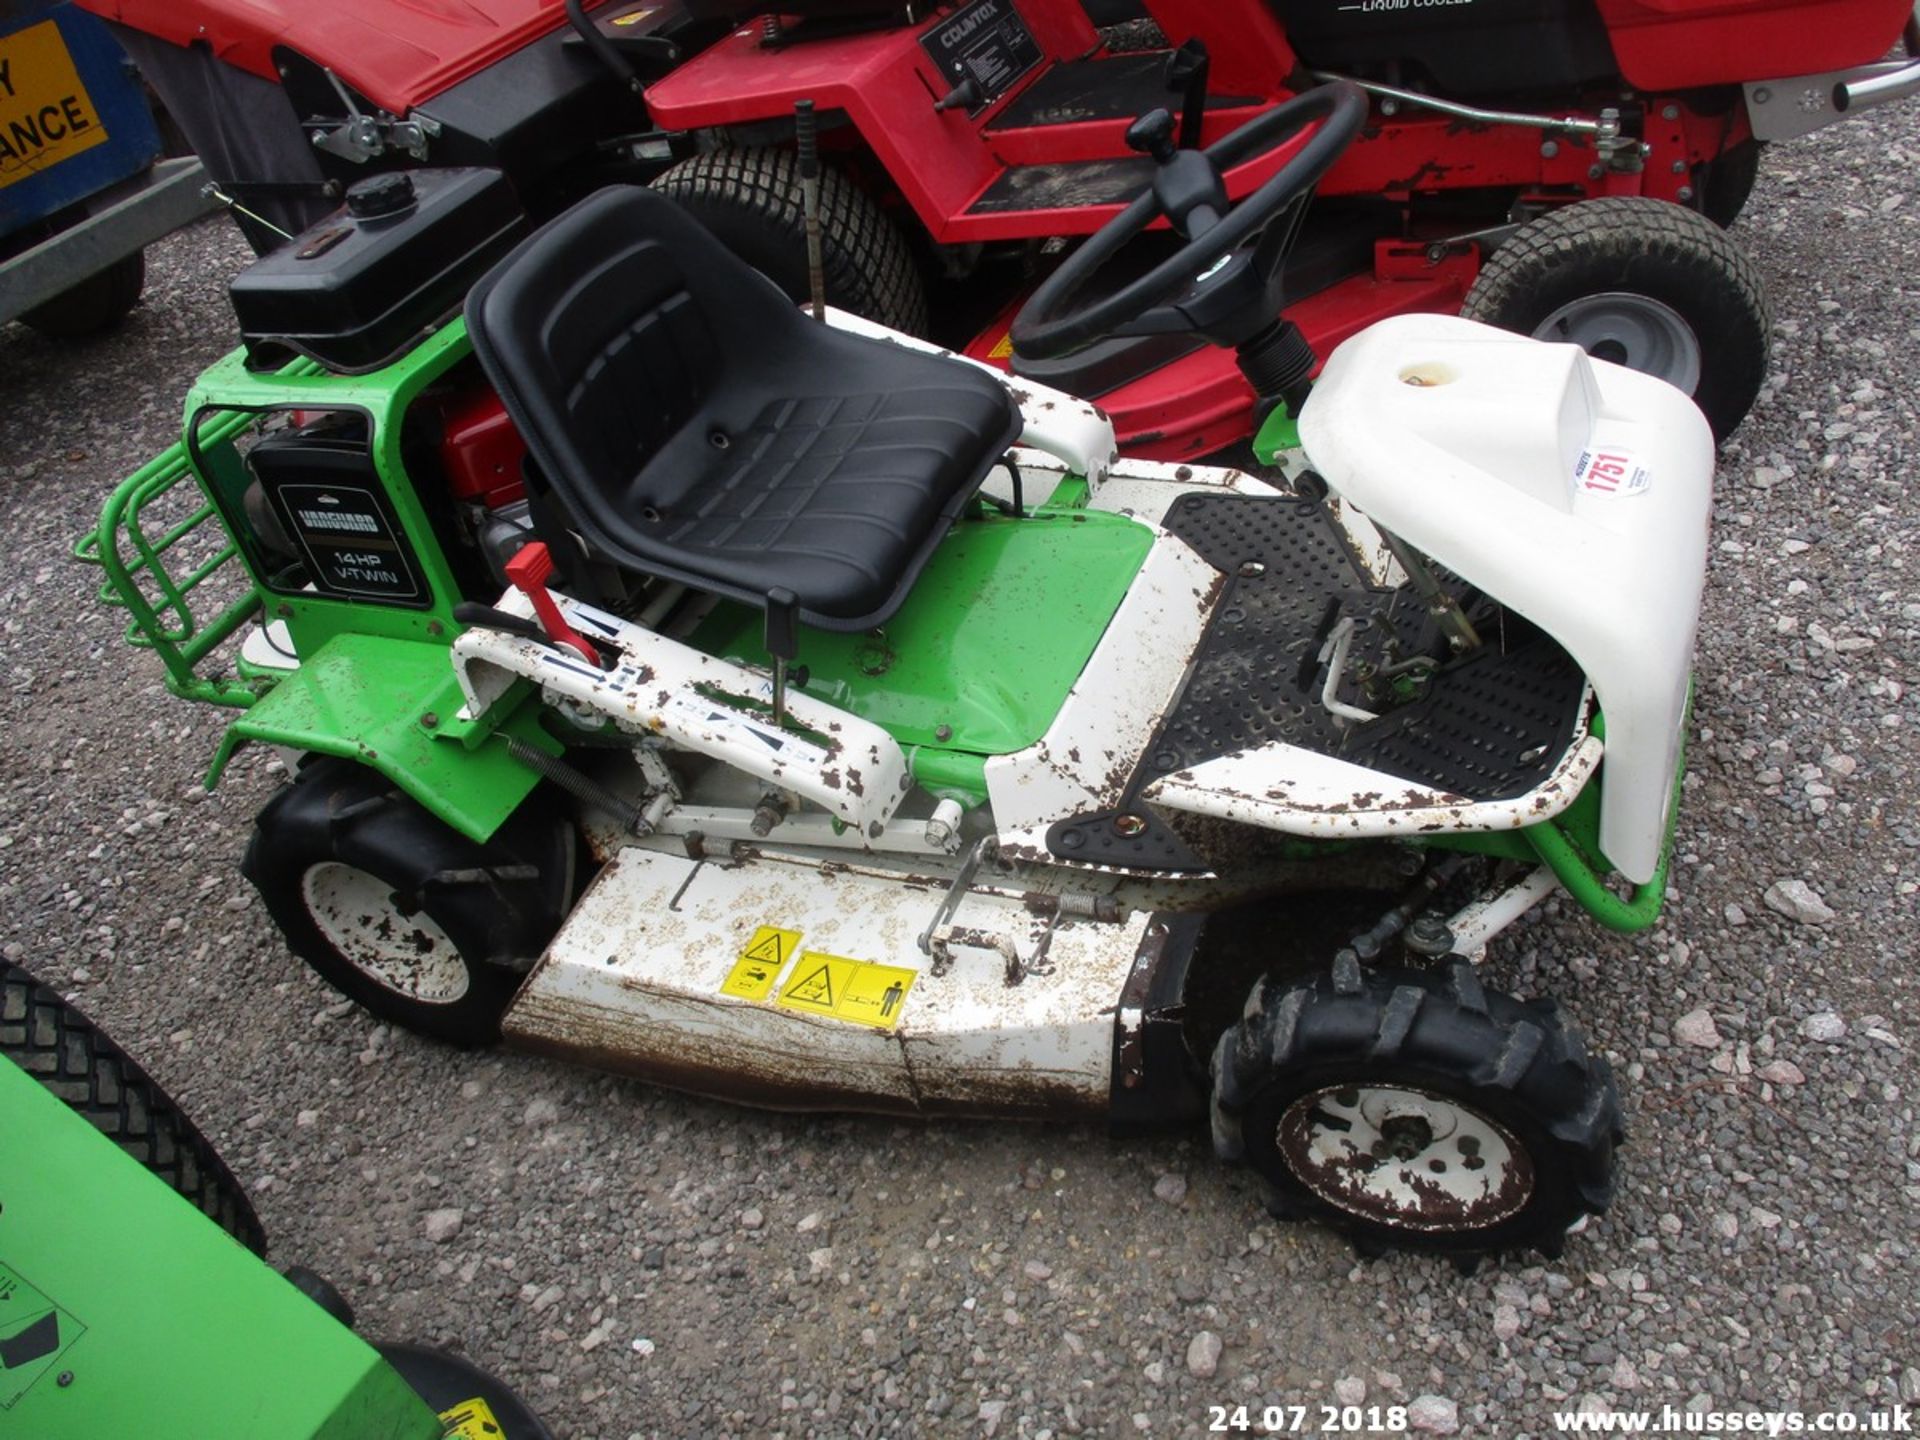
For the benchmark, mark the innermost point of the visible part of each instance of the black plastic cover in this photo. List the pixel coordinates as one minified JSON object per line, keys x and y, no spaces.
{"x":363,"y":286}
{"x":333,"y":511}
{"x":1464,"y":47}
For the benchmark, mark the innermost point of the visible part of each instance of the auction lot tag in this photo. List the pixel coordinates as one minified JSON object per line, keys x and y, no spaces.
{"x":46,"y":115}
{"x":761,"y":959}
{"x":857,"y":991}
{"x":1610,"y":472}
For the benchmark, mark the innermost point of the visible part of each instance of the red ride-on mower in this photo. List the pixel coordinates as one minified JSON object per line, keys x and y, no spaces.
{"x":1555,"y":167}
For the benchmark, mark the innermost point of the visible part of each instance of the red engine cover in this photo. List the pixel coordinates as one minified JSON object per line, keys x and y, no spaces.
{"x":1679,"y":44}
{"x":481,"y":449}
{"x":396,"y":55}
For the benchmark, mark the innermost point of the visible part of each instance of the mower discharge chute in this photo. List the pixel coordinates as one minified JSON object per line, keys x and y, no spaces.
{"x":797,"y":713}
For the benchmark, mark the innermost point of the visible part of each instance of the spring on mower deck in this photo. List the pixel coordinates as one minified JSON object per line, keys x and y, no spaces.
{"x":580,"y":785}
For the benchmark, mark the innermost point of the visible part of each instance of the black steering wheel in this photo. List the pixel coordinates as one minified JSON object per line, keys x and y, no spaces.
{"x":1225,"y":243}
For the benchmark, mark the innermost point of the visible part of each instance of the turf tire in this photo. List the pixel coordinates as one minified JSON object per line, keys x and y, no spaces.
{"x":751,"y":200}
{"x":96,"y":304}
{"x":1643,"y":247}
{"x":78,"y":1061}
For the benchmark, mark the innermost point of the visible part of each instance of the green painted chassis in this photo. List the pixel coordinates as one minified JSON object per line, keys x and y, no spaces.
{"x":165,"y":1326}
{"x":375,"y":684}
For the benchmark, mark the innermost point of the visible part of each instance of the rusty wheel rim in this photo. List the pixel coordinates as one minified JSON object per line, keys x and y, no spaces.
{"x":1405,"y":1158}
{"x":407,"y":954}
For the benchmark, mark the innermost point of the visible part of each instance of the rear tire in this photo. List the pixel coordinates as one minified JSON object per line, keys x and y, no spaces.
{"x":751,"y":200}
{"x":423,"y":927}
{"x":96,"y":304}
{"x":1413,"y":1109}
{"x":77,"y":1061}
{"x":1646,"y":283}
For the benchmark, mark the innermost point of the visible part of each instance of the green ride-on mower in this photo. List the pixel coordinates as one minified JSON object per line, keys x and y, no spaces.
{"x":795,"y":713}
{"x":133,"y":1300}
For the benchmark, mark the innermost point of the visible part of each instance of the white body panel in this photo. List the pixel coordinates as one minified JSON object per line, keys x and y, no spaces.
{"x":633,"y":981}
{"x":1090,"y":750}
{"x":1465,"y":441}
{"x":859,"y":774}
{"x":1282,"y":787}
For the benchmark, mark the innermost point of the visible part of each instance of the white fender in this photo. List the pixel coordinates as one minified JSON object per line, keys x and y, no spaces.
{"x":1575,"y":492}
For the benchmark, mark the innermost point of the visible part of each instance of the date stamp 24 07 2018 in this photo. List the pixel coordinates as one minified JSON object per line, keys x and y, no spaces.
{"x":1307,"y":1419}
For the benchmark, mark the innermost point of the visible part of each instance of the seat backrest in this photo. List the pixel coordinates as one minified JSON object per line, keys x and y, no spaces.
{"x":606,"y":332}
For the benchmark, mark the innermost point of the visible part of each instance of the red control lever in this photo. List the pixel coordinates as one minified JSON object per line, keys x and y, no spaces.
{"x":529,"y":569}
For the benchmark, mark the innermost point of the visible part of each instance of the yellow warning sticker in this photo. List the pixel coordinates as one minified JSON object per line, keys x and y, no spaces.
{"x":759,"y":964}
{"x":471,"y":1420}
{"x":1002,"y":348}
{"x":853,"y":990}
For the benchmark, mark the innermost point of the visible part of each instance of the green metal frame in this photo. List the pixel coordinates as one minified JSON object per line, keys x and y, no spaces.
{"x":165,"y":1327}
{"x":132,"y":550}
{"x":1002,"y":599}
{"x":1569,"y":846}
{"x":374,"y":683}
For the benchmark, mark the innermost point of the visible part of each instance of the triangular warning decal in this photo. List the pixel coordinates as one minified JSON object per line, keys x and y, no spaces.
{"x":814,"y":989}
{"x":765,"y":948}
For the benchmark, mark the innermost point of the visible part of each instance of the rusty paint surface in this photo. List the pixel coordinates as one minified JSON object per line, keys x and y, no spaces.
{"x":633,"y":983}
{"x":1446,"y":1168}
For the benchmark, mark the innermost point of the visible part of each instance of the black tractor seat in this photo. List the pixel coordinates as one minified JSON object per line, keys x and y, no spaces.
{"x":687,"y":421}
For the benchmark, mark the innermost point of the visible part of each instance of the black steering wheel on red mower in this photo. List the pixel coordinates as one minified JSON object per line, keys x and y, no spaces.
{"x":1224,"y":282}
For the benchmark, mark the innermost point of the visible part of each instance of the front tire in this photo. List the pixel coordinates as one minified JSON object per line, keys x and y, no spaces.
{"x":1643,"y":283}
{"x":1416,"y":1110}
{"x":423,"y":927}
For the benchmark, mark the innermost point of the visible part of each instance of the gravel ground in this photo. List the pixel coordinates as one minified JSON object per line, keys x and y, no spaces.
{"x":641,"y":1263}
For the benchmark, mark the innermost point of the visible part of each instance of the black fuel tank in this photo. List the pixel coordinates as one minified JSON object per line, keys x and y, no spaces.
{"x":363,"y":286}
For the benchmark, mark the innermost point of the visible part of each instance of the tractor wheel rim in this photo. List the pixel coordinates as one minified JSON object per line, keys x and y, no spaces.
{"x":1636,"y":331}
{"x":1405,"y":1158}
{"x":408,"y":954}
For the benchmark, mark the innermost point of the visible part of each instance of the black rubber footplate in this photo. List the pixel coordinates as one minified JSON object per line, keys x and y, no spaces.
{"x":1486,"y":727}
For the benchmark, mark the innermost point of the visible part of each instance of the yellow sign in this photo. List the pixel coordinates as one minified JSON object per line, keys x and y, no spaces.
{"x":1002,"y":348}
{"x":634,"y":17}
{"x":471,"y":1420}
{"x":46,"y":114}
{"x":759,"y":964}
{"x":852,"y":990}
